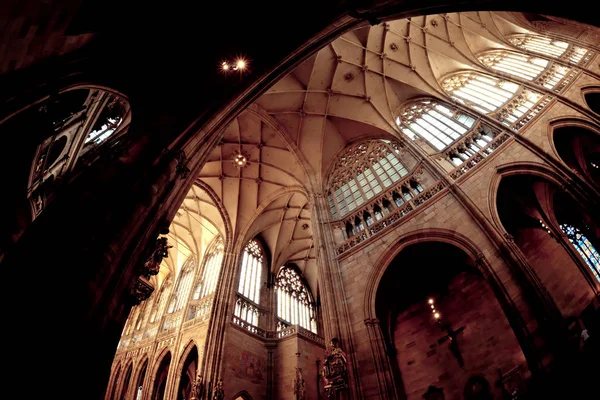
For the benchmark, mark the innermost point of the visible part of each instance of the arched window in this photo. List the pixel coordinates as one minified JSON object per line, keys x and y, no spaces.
{"x":294,"y":304}
{"x":506,"y":101}
{"x":133,"y":317}
{"x":184,"y":284}
{"x":364,"y":170}
{"x":161,"y":301}
{"x":438,"y":124}
{"x":584,"y":247}
{"x":253,"y":261}
{"x":72,"y":124}
{"x":550,"y":47}
{"x":210,"y":273}
{"x":529,"y":68}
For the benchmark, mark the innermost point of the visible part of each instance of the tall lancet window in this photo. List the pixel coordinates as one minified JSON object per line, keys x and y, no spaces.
{"x":506,"y":101}
{"x":210,"y":273}
{"x":294,"y":304}
{"x":529,"y":68}
{"x":584,"y":247}
{"x":161,"y":301}
{"x":438,"y":124}
{"x":184,"y":284}
{"x":363,"y":170}
{"x":551,"y":48}
{"x":253,"y":261}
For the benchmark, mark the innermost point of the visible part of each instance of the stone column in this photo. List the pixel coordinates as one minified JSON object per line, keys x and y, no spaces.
{"x":334,"y":310}
{"x":385,"y":377}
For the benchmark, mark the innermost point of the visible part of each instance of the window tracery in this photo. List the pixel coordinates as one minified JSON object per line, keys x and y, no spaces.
{"x":529,"y":68}
{"x":364,"y":170}
{"x":210,"y":273}
{"x":294,"y":304}
{"x":551,"y":48}
{"x":584,"y":247}
{"x":508,"y":102}
{"x":437,"y":123}
{"x":161,"y":301}
{"x":79,"y":121}
{"x":249,"y":286}
{"x":183,"y":286}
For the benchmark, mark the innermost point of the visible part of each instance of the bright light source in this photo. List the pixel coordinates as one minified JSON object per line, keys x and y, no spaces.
{"x":430,"y":301}
{"x":432,"y":306}
{"x":437,"y":315}
{"x":241,"y":64}
{"x":225,"y":66}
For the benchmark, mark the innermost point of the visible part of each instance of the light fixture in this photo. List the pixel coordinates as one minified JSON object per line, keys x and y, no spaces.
{"x":240,"y":159}
{"x":437,"y":315}
{"x":239,"y":65}
{"x":433,"y":307}
{"x":430,"y":301}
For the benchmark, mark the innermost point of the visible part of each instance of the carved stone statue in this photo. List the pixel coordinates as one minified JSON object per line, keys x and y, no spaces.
{"x":161,"y":250}
{"x":197,"y":389}
{"x":299,"y":385}
{"x":335,"y":371}
{"x":219,"y":393}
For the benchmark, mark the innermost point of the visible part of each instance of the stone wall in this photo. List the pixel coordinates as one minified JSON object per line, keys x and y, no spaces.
{"x":244,"y":365}
{"x":487,"y":343}
{"x":556,"y":269}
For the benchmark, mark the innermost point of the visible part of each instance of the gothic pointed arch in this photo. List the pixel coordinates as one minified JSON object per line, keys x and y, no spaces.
{"x":65,"y":132}
{"x":554,"y":48}
{"x":140,"y":378}
{"x":252,"y":274}
{"x":556,"y":234}
{"x":295,"y":305}
{"x":112,"y":391}
{"x":124,"y":390}
{"x":577,"y":144}
{"x":409,"y":299}
{"x":591,"y":96}
{"x":187,"y":371}
{"x":508,"y":102}
{"x":362,"y":171}
{"x":543,"y":72}
{"x":160,"y":375}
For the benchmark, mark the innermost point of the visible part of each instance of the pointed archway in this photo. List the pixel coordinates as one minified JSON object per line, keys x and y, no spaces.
{"x":441,"y":320}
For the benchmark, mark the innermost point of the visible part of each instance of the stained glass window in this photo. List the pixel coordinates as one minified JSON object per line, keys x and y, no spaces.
{"x":363,"y":171}
{"x":584,"y":247}
{"x":506,"y":101}
{"x":294,"y":305}
{"x":250,"y":283}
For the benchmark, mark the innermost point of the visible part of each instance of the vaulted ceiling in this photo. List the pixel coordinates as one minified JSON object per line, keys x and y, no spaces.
{"x":291,"y":136}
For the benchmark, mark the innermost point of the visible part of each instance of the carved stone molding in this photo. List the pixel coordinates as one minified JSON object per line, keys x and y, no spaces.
{"x":142,"y":289}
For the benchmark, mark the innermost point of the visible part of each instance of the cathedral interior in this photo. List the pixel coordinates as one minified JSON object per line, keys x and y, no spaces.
{"x":343,"y":200}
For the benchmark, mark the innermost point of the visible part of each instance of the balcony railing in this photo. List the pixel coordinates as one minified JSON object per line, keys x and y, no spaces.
{"x":280,"y":333}
{"x":391,"y":218}
{"x":199,"y":311}
{"x":480,"y":155}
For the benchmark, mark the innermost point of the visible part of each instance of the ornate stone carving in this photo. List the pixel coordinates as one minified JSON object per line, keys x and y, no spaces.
{"x":334,"y":371}
{"x":142,"y":289}
{"x":181,"y":169}
{"x":152,"y":265}
{"x":299,"y":385}
{"x":219,"y":393}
